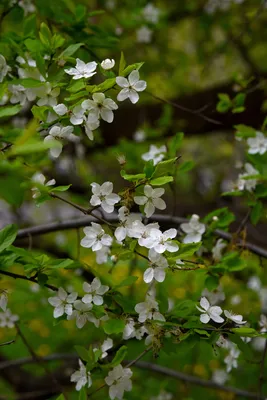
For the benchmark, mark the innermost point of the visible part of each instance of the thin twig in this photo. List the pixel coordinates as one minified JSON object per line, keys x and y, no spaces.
{"x":39,"y":360}
{"x":31,"y":279}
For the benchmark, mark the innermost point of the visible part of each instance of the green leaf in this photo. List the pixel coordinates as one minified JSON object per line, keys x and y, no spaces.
{"x":224,"y":104}
{"x":186,"y":166}
{"x":164,"y":168}
{"x":149,"y":169}
{"x":45,"y":35}
{"x":28,"y":83}
{"x":113,"y":326}
{"x":244,"y":331}
{"x":61,"y":397}
{"x":175,"y":143}
{"x":129,"y":177}
{"x":184,"y":309}
{"x":161,"y":181}
{"x":7,"y":236}
{"x":69,"y":51}
{"x":119,"y":357}
{"x":245,"y":131}
{"x":127,"y":281}
{"x":9,"y":111}
{"x":82,"y":353}
{"x":257,"y":212}
{"x":188,"y":249}
{"x":104,"y":86}
{"x":76,"y":86}
{"x":60,"y":188}
{"x":122,"y":64}
{"x":83,"y":393}
{"x":212,"y":282}
{"x":61,"y":263}
{"x":32,"y":148}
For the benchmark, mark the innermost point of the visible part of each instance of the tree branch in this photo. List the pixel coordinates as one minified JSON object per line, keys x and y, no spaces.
{"x":111,"y":218}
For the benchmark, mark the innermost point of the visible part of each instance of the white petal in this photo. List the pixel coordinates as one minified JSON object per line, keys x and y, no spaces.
{"x":204,"y":318}
{"x":140,"y":86}
{"x":204,"y":303}
{"x":133,"y":96}
{"x":148,"y":275}
{"x":149,"y":209}
{"x":122,"y":82}
{"x":123,"y":94}
{"x":133,"y":77}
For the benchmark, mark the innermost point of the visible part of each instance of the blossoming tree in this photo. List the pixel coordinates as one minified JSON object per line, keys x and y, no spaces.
{"x":105,"y":279}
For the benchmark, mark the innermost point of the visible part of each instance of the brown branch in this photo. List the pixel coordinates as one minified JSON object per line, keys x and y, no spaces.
{"x":112,"y":218}
{"x":25,"y":278}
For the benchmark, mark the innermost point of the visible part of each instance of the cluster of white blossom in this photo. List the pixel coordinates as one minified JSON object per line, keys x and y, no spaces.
{"x":246,"y":180}
{"x":193,"y":229}
{"x":220,"y":5}
{"x":257,"y":144}
{"x":7,"y":319}
{"x":214,"y":313}
{"x":81,"y":310}
{"x":150,"y":14}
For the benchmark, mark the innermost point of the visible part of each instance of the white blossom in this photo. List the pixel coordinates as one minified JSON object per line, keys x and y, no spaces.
{"x":193,"y":229}
{"x":151,"y":200}
{"x":58,"y":133}
{"x":63,"y":302}
{"x":94,"y":292}
{"x":18,"y":94}
{"x":126,"y":222}
{"x":131,"y":331}
{"x":81,"y":377}
{"x":82,"y":70}
{"x":95,"y":237}
{"x":217,"y":249}
{"x":90,"y":127}
{"x":159,"y":241}
{"x":77,"y":115}
{"x":247,"y":184}
{"x":238,"y":319}
{"x":48,"y":95}
{"x":139,"y":136}
{"x":40,"y":179}
{"x":3,"y":301}
{"x":155,"y":153}
{"x":157,"y":269}
{"x":151,"y":13}
{"x":148,"y":309}
{"x":140,"y":231}
{"x":100,"y":106}
{"x":209,"y":312}
{"x":254,"y":283}
{"x":214,"y":297}
{"x":263,"y":323}
{"x":27,"y":6}
{"x":258,"y":144}
{"x":82,"y":314}
{"x":60,"y":109}
{"x":7,"y":319}
{"x":219,"y":376}
{"x":102,"y":255}
{"x":130,"y":86}
{"x":144,"y":34}
{"x":102,"y":195}
{"x":4,"y":68}
{"x":231,"y":359}
{"x":108,"y":63}
{"x":119,"y":381}
{"x":106,"y":345}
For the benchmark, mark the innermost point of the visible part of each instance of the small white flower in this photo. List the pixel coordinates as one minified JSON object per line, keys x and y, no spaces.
{"x":139,"y":136}
{"x":94,"y":292}
{"x":119,"y":381}
{"x":77,"y":115}
{"x":107,"y":345}
{"x":102,"y":195}
{"x":219,"y":376}
{"x":247,"y":184}
{"x":144,"y":34}
{"x":193,"y":229}
{"x":7,"y":319}
{"x":217,"y":250}
{"x":81,"y":312}
{"x":148,"y":309}
{"x":48,"y":96}
{"x":130,"y":86}
{"x":254,"y":283}
{"x":209,"y":312}
{"x":102,"y":255}
{"x":82,"y":70}
{"x":258,"y":144}
{"x":100,"y":106}
{"x":27,"y":6}
{"x":18,"y":94}
{"x":126,"y":223}
{"x":59,"y":133}
{"x":60,"y":109}
{"x":158,"y":265}
{"x":159,"y":241}
{"x":155,"y":153}
{"x":130,"y":331}
{"x":4,"y":68}
{"x":151,"y":200}
{"x":40,"y":178}
{"x":214,"y":297}
{"x":231,"y":359}
{"x":95,"y":237}
{"x":238,"y":319}
{"x":108,"y":63}
{"x":81,"y":377}
{"x":151,"y":13}
{"x":3,"y":301}
{"x":63,"y":302}
{"x":263,"y":323}
{"x":140,"y":231}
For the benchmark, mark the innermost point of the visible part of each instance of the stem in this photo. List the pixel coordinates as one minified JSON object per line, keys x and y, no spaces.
{"x":25,"y":278}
